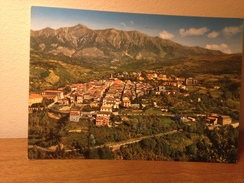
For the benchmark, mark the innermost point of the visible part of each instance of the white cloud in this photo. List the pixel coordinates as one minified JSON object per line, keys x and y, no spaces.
{"x":222,"y":47}
{"x":166,"y":35}
{"x":232,"y":30}
{"x":193,"y":31}
{"x":122,"y":23}
{"x":132,"y":22}
{"x":125,"y":24}
{"x":213,"y":34}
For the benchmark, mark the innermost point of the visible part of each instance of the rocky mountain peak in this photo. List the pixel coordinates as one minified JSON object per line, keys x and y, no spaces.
{"x":79,"y":41}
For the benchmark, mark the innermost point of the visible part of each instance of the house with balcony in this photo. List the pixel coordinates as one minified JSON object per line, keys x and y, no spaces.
{"x":103,"y":113}
{"x":106,"y":108}
{"x":74,"y":116}
{"x":126,"y":102}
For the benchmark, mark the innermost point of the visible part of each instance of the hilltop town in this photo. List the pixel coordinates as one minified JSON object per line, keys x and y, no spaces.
{"x":113,"y":115}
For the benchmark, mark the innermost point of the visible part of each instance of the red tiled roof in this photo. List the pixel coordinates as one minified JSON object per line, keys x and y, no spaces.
{"x":34,"y":95}
{"x":53,"y":91}
{"x":106,"y":107}
{"x":103,"y":113}
{"x":49,"y":96}
{"x":126,"y":100}
{"x":75,"y":112}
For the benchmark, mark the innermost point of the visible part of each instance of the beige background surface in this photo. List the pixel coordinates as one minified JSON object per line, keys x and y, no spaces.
{"x":14,"y":44}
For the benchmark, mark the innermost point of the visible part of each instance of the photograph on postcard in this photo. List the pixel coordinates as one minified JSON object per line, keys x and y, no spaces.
{"x":131,"y":86}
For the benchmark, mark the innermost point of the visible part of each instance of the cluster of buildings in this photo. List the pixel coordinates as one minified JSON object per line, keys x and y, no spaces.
{"x":118,"y":94}
{"x":215,"y":119}
{"x":154,"y":76}
{"x":107,"y":96}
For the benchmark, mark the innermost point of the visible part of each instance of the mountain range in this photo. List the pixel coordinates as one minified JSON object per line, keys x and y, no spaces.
{"x":82,"y":42}
{"x":79,"y":54}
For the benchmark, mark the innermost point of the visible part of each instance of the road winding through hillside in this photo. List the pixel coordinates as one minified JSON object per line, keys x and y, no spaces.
{"x":112,"y":145}
{"x":116,"y":145}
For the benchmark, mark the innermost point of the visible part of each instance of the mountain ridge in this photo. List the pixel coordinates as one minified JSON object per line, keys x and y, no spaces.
{"x":79,"y":54}
{"x":79,"y":41}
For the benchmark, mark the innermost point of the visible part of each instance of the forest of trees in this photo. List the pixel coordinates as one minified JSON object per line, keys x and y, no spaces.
{"x":194,"y":142}
{"x":219,"y":145}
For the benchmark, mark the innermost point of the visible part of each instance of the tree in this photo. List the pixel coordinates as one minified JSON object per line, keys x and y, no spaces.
{"x":105,"y":153}
{"x":46,"y":102}
{"x":91,"y":140}
{"x":92,"y":154}
{"x":126,"y":154}
{"x":114,"y":118}
{"x":87,"y":108}
{"x":67,"y":90}
{"x":191,"y":149}
{"x":148,"y":144}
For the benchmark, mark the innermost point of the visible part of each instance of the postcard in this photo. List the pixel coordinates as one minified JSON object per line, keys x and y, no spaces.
{"x":130,"y":86}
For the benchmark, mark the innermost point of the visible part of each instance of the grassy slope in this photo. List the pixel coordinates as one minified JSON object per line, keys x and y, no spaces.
{"x":50,"y":73}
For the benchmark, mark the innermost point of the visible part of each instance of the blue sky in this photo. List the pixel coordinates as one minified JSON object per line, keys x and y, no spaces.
{"x":223,"y":34}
